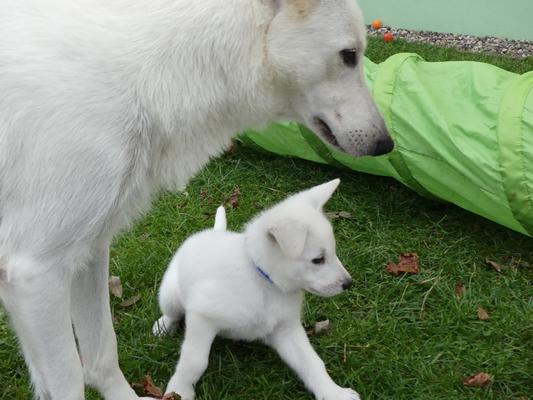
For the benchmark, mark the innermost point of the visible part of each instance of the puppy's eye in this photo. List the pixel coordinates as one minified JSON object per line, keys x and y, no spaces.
{"x":318,"y":260}
{"x":349,"y":57}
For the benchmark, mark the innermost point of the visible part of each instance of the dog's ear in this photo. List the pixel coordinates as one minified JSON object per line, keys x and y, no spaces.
{"x":318,"y":195}
{"x":303,"y":7}
{"x":274,"y":4}
{"x":290,"y":235}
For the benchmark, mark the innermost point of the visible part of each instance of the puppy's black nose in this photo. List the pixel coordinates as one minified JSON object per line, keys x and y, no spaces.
{"x":347,"y":285}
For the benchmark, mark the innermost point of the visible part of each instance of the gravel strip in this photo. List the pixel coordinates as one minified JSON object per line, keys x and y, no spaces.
{"x":492,"y":45}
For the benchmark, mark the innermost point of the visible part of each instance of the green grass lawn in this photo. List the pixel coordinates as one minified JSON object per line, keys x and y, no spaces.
{"x":406,"y":337}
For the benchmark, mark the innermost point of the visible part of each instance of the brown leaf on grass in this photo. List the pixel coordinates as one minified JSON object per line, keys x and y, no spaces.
{"x":233,"y":200}
{"x":482,"y":314}
{"x":332,"y":216}
{"x":478,"y":380}
{"x":496,"y":266}
{"x":408,"y":261}
{"x":393,"y":268}
{"x":115,"y":286}
{"x":460,"y":289}
{"x":319,"y":328}
{"x":171,"y":396}
{"x":407,"y":264}
{"x":130,"y":302}
{"x":323,"y":327}
{"x":149,"y":388}
{"x":203,"y":193}
{"x":519,"y":263}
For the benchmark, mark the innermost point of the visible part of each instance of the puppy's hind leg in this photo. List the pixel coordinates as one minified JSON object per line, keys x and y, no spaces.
{"x":170,"y":303}
{"x":37,"y":297}
{"x":93,"y":323}
{"x":165,"y":326}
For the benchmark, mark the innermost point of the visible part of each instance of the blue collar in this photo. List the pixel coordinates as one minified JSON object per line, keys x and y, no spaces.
{"x":263,"y":272}
{"x":255,"y":265}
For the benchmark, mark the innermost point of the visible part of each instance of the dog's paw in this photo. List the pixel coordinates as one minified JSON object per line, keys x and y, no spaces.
{"x":159,"y":329}
{"x":183,"y":393}
{"x":340,"y":393}
{"x":164,"y":326}
{"x":183,"y":387}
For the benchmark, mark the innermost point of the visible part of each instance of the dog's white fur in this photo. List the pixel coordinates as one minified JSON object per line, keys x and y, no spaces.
{"x":104,"y":101}
{"x":249,"y":286}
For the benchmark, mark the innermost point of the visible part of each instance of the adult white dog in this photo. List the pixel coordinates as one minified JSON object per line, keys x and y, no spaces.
{"x":104,"y":101}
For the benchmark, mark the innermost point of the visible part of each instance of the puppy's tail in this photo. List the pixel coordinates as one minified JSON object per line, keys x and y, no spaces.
{"x":220,"y":219}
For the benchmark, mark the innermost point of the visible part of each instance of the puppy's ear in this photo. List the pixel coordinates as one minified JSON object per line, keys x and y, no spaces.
{"x":318,"y":195}
{"x":290,"y":235}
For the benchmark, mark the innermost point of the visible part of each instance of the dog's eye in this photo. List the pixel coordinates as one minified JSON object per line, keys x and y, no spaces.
{"x":318,"y":260}
{"x":349,"y":57}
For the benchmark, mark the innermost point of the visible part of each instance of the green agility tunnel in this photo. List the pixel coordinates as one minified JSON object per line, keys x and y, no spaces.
{"x":463,"y":133}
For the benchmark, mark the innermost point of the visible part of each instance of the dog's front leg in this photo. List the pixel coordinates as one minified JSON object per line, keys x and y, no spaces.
{"x":38,"y":299}
{"x":292,"y":344}
{"x":93,"y":324}
{"x":194,"y":357}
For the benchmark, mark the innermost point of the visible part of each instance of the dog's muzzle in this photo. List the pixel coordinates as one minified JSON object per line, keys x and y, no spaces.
{"x":384,"y":146}
{"x":347,"y":285}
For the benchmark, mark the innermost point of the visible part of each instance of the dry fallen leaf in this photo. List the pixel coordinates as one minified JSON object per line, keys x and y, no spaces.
{"x":407,"y":263}
{"x":171,"y":396}
{"x":496,"y":266}
{"x":482,"y":314}
{"x":150,"y":389}
{"x":393,"y":268}
{"x":203,"y":192}
{"x":323,"y":327}
{"x":478,"y":380}
{"x":319,"y":327}
{"x":332,"y":216}
{"x":310,"y":329}
{"x":130,"y":302}
{"x":233,"y":200}
{"x":460,"y":289}
{"x":115,"y":286}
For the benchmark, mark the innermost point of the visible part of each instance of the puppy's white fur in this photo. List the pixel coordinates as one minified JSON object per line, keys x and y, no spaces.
{"x":249,"y":286}
{"x":104,"y":101}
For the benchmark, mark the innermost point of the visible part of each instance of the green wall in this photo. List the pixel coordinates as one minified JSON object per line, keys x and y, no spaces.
{"x":511,"y":19}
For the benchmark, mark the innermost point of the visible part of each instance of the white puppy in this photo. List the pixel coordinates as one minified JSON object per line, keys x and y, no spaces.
{"x":249,"y":286}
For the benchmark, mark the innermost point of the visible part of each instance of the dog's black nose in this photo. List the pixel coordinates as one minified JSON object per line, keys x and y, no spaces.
{"x":384,"y":146}
{"x":347,"y":285}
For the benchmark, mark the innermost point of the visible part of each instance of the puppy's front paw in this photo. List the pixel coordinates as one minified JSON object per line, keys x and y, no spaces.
{"x":340,"y":393}
{"x":184,"y":390}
